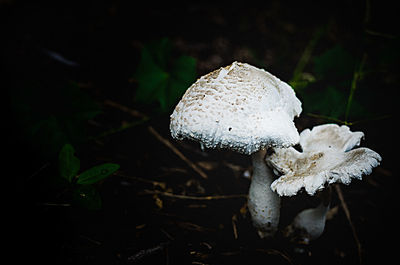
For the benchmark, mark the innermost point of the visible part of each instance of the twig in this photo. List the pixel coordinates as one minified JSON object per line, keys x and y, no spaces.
{"x":123,"y":108}
{"x":162,"y":185}
{"x":199,"y":198}
{"x":91,"y":240}
{"x":349,"y":123}
{"x":146,"y":252}
{"x":318,"y":116}
{"x":347,"y":213}
{"x":193,"y":227}
{"x":380,"y":34}
{"x":275,"y":252}
{"x":167,"y":234}
{"x":306,"y":55}
{"x":55,"y":204}
{"x":383,"y":117}
{"x":235,"y":232}
{"x":177,"y":152}
{"x":356,"y":77}
{"x":198,"y":263}
{"x":124,"y":126}
{"x":39,"y":170}
{"x":144,"y":117}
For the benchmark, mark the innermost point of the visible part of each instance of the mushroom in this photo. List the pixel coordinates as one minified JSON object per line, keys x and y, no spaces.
{"x":326,"y":158}
{"x":244,"y":109}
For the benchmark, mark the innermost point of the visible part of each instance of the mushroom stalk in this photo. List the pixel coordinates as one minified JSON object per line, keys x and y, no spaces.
{"x":263,"y":204}
{"x":311,"y":222}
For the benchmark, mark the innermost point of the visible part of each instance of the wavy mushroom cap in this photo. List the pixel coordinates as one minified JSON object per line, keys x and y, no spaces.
{"x":238,"y":107}
{"x":325,"y":158}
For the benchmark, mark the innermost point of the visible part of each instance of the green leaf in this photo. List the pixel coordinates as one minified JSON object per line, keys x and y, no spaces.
{"x":183,"y":75}
{"x":162,"y":78}
{"x":152,"y":79}
{"x":161,"y":51}
{"x":327,"y":94}
{"x":329,"y":102}
{"x":184,"y":69}
{"x":335,"y":64}
{"x":68,"y":163}
{"x":97,"y":173}
{"x":87,"y":196}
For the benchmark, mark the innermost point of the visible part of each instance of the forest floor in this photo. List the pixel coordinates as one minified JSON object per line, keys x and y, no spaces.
{"x":170,"y":202}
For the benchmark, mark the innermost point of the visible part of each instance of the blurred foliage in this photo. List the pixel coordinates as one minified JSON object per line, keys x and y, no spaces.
{"x":51,"y":116}
{"x":335,"y":65}
{"x":341,"y":85}
{"x":327,"y":94}
{"x":68,"y":163}
{"x":162,"y":77}
{"x":83,"y":192}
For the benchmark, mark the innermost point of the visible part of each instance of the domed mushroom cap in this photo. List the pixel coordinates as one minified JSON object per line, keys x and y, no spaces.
{"x":325,"y":159}
{"x":239,"y":107}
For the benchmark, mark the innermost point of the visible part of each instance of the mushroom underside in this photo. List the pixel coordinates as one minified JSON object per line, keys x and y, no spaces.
{"x":312,"y":171}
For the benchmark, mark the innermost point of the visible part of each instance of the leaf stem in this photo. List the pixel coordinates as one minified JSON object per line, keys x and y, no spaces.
{"x":318,"y":116}
{"x":356,"y":77}
{"x":306,"y":55}
{"x":198,"y":198}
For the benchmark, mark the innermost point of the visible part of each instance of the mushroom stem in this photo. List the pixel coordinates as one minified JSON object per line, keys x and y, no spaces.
{"x":311,"y":222}
{"x":264,"y":204}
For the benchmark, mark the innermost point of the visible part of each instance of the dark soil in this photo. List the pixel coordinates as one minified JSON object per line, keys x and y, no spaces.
{"x":138,"y":223}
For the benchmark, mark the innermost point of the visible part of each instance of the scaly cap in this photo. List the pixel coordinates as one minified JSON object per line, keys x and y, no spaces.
{"x":238,"y":107}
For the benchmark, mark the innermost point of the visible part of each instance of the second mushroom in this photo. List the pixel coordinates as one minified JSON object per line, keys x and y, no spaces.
{"x":327,"y":157}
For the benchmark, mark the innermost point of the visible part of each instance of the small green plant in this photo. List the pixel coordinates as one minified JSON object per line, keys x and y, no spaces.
{"x":163,"y":78}
{"x":347,"y":85}
{"x":326,"y":93}
{"x":81,"y":185}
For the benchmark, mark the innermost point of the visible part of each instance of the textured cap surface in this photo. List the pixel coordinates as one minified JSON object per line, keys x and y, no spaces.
{"x":239,"y":107}
{"x":325,"y":159}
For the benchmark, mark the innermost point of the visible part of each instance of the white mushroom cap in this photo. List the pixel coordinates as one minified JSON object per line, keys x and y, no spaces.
{"x":239,"y":107}
{"x":325,"y":159}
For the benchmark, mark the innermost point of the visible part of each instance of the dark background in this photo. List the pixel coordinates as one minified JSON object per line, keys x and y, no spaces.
{"x":102,"y":43}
